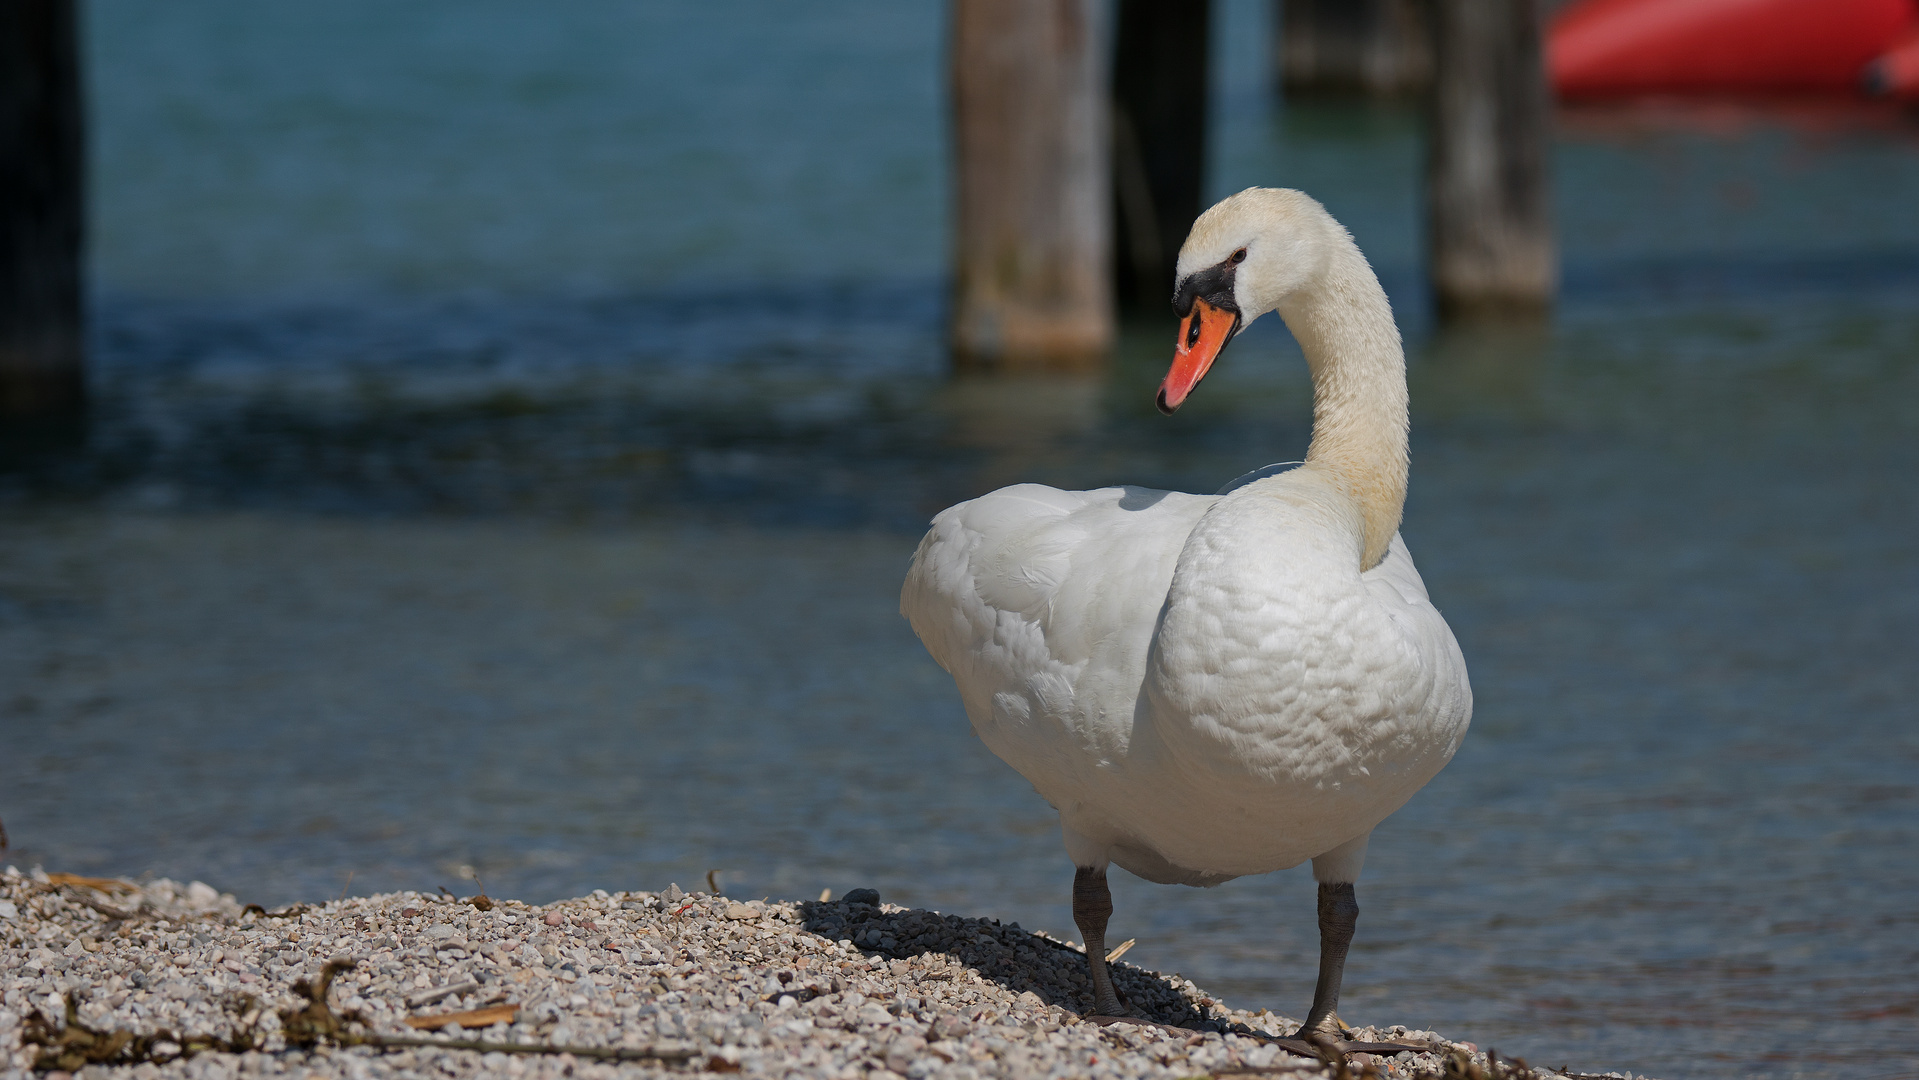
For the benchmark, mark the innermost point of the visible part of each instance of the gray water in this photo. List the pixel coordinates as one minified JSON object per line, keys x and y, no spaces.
{"x":513,"y":426}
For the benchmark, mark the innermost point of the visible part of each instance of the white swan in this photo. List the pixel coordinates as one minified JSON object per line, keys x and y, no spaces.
{"x":1207,"y":686}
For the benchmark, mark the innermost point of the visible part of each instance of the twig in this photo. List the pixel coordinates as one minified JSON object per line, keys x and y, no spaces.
{"x":105,"y":885}
{"x":602,"y":1053}
{"x":713,"y":882}
{"x":74,"y":894}
{"x":1063,"y":946}
{"x":471,"y":1018}
{"x":1109,"y":1021}
{"x":482,"y":901}
{"x":428,"y":997}
{"x":348,"y":885}
{"x":1457,"y":1064}
{"x":317,"y":1023}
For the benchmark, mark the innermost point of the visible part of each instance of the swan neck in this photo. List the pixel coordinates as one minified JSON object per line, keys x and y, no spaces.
{"x":1345,"y":327}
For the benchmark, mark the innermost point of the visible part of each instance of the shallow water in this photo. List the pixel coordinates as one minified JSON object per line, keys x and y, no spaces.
{"x":510,"y":524}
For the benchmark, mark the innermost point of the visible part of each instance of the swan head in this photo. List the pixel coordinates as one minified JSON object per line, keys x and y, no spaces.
{"x":1242,"y":259}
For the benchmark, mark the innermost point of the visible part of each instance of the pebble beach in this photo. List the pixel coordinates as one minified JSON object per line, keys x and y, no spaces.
{"x":103,"y":977}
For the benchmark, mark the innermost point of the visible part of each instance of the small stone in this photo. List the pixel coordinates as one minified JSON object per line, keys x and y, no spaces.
{"x":863,"y":896}
{"x":409,"y":913}
{"x":740,"y":912}
{"x":902,"y":1052}
{"x":673,"y":894}
{"x":554,"y":918}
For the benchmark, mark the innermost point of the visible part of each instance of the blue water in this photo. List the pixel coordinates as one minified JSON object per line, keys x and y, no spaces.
{"x":513,"y":426}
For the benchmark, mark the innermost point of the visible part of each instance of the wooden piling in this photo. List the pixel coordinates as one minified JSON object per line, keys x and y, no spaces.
{"x":1159,"y":142}
{"x":41,"y":193}
{"x":1374,"y":48}
{"x":1489,"y":212}
{"x":1031,"y":282}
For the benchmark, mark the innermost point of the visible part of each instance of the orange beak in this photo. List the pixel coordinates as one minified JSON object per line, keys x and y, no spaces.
{"x":1202,"y":333}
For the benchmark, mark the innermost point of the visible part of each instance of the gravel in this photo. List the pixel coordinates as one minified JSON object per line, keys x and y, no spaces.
{"x":852,"y":989}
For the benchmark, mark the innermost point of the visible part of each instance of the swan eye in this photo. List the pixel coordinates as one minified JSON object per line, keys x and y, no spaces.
{"x":1239,"y":256}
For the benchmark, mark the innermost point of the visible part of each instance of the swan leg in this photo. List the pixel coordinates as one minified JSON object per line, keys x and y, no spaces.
{"x":1092,"y":906}
{"x":1322,"y":1031}
{"x":1338,"y":915}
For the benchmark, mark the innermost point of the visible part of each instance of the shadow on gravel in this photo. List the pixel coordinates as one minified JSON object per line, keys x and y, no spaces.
{"x":1017,"y":959}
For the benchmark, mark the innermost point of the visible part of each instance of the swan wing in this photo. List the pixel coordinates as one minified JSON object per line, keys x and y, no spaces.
{"x":1041,"y":604}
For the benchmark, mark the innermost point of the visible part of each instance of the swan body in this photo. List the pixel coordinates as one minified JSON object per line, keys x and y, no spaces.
{"x":1210,"y":686}
{"x":1284,"y":705}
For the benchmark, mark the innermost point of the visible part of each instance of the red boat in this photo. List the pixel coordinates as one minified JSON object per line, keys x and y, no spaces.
{"x":1611,"y":48}
{"x":1896,"y":72}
